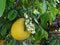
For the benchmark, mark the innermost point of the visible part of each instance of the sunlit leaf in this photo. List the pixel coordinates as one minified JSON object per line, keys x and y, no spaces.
{"x":53,"y":11}
{"x":44,"y":7}
{"x":2,"y":6}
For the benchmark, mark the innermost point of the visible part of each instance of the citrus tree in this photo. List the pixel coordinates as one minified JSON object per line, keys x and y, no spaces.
{"x":27,"y":22}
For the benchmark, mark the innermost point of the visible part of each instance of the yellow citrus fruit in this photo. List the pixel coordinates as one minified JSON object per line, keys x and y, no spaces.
{"x":1,"y":42}
{"x":17,"y":30}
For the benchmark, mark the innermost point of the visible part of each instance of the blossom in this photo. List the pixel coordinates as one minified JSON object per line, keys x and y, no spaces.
{"x":29,"y":25}
{"x":25,"y":15}
{"x":33,"y":32}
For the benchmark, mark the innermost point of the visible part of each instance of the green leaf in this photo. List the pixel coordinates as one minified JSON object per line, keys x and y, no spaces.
{"x":53,"y":10}
{"x":54,"y":42}
{"x":44,"y":18}
{"x":44,"y":7}
{"x":1,"y":23}
{"x":40,"y":34}
{"x":2,"y":6}
{"x":35,"y":19}
{"x":44,"y":33}
{"x":50,"y":19}
{"x":12,"y":42}
{"x":4,"y":29}
{"x":12,"y":0}
{"x":12,"y":15}
{"x":25,"y":3}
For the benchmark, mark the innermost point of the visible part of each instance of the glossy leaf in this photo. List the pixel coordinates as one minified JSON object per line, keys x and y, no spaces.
{"x":45,"y":34}
{"x":53,"y":11}
{"x":12,"y":15}
{"x":41,"y":33}
{"x":35,"y":19}
{"x":44,"y":7}
{"x":44,"y":18}
{"x":2,"y":6}
{"x":5,"y":28}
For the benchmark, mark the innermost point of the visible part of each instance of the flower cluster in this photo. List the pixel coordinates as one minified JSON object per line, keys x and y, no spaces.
{"x":29,"y":25}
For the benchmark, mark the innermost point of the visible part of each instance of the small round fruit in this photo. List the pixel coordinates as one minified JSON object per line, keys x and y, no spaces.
{"x":17,"y":30}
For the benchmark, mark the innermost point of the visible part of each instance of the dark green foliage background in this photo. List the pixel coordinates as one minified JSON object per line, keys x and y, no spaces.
{"x":14,"y":9}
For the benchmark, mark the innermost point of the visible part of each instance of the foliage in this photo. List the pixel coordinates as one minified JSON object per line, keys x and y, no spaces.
{"x":55,"y":41}
{"x":41,"y":11}
{"x":2,"y":6}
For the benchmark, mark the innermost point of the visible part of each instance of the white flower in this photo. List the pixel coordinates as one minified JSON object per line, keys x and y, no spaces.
{"x":25,"y":23}
{"x":32,"y":25}
{"x":30,"y":18}
{"x":28,"y":30}
{"x":32,"y":29}
{"x":33,"y":32}
{"x":29,"y":25}
{"x":26,"y":16}
{"x":27,"y":20}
